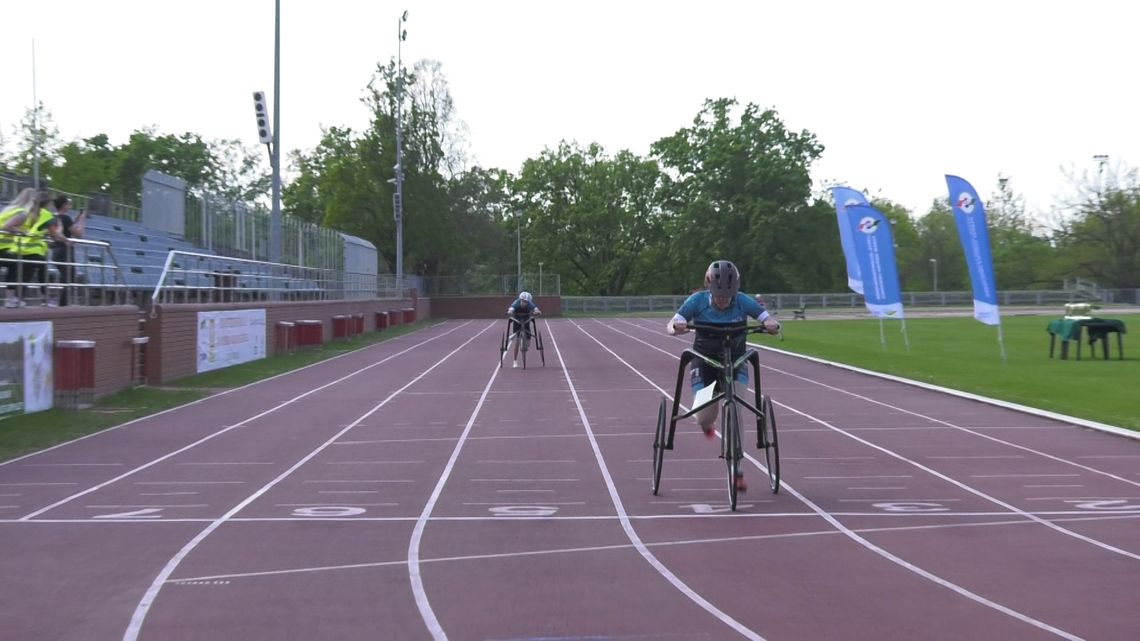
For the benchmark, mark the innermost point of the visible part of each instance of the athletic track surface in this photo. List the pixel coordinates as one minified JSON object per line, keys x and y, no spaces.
{"x":414,"y":490}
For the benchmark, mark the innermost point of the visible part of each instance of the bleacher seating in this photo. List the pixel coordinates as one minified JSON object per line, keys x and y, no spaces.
{"x":142,"y":252}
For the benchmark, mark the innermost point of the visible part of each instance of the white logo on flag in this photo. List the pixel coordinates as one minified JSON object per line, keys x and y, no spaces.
{"x":868,"y":225}
{"x":965,"y":203}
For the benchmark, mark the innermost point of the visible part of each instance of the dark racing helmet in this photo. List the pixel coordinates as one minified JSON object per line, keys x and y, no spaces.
{"x":722,"y":279}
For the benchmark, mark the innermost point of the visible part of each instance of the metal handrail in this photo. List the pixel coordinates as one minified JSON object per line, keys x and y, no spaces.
{"x":107,"y":262}
{"x":272,"y":278}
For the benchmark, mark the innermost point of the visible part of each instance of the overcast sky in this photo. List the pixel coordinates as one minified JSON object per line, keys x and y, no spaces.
{"x":899,"y":93}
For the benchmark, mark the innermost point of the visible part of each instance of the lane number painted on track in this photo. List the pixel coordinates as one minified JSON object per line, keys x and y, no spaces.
{"x":145,"y":513}
{"x":707,"y":508}
{"x":524,"y":510}
{"x":1104,"y":504}
{"x":329,"y":510}
{"x":911,"y":506}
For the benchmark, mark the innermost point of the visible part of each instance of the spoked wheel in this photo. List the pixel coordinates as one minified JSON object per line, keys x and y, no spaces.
{"x":659,"y":448}
{"x":732,"y":453}
{"x":770,"y":442}
{"x":502,"y":348}
{"x":525,"y":345}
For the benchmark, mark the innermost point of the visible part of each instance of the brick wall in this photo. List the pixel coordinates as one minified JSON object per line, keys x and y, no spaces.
{"x":172,"y":352}
{"x":112,"y":329}
{"x":488,"y":306}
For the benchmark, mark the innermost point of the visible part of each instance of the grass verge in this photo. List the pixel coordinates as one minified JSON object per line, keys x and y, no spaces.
{"x":963,"y":354}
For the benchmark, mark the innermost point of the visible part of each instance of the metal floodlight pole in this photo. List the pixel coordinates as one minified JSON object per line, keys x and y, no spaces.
{"x":518,"y":240}
{"x":275,"y":211}
{"x":401,"y":34}
{"x":934,"y":262}
{"x":35,"y":123}
{"x":1101,"y":160}
{"x":540,"y":278}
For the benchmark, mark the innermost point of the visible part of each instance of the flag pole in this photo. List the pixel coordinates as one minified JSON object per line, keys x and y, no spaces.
{"x":1001,"y":342}
{"x":906,"y":339}
{"x":882,"y":335}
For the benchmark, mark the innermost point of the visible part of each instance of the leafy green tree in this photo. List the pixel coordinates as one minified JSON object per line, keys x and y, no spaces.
{"x":35,"y":134}
{"x":1102,"y":238}
{"x":588,"y":215}
{"x":735,"y":186}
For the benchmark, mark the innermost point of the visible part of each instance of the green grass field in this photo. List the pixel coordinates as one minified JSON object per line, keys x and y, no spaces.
{"x":30,"y":432}
{"x":963,"y":354}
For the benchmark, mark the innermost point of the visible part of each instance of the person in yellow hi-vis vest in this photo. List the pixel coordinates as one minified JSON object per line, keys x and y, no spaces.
{"x":37,"y":223}
{"x":12,"y":236}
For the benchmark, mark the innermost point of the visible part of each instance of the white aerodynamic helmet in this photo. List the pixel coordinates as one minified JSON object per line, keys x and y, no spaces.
{"x":526,"y":296}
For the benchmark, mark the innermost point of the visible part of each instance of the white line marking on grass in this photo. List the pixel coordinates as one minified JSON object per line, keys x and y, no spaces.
{"x":224,"y":430}
{"x":144,"y":605}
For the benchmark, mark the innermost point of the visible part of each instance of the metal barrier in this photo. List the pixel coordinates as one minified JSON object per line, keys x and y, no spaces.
{"x":189,"y":277}
{"x":90,"y":276}
{"x":840,"y":302}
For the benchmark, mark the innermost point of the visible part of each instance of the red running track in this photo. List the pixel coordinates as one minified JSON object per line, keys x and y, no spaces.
{"x":414,"y":490}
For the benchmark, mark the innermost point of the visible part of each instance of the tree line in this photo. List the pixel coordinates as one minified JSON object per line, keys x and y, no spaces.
{"x":734,"y":183}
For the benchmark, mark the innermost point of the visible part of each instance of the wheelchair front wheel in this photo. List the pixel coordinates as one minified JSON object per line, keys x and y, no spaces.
{"x":659,"y":448}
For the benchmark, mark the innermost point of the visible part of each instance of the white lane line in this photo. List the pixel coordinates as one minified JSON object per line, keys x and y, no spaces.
{"x":33,"y":484}
{"x":1039,"y":486}
{"x":685,"y":478}
{"x":72,"y":465}
{"x":531,"y":461}
{"x":222,"y":393}
{"x":144,"y":605}
{"x":374,"y":462}
{"x":525,"y":480}
{"x":316,"y":504}
{"x":908,"y":500}
{"x":956,"y":483}
{"x":145,"y":505}
{"x":1017,"y":476}
{"x":828,"y":458}
{"x":525,"y":503}
{"x":978,"y":457}
{"x":227,"y":463}
{"x":189,"y":482}
{"x":967,"y":430}
{"x":9,"y":507}
{"x":851,"y":534}
{"x":414,"y":573}
{"x":877,"y":488}
{"x":1110,"y":456}
{"x":360,"y":481}
{"x":348,"y":491}
{"x":166,"y":493}
{"x":1056,"y":515}
{"x":846,"y":478}
{"x":392,"y":440}
{"x":1085,"y":498}
{"x":626,"y":524}
{"x":224,"y":430}
{"x":523,"y":491}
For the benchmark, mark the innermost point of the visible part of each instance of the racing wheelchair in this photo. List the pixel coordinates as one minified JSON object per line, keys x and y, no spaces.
{"x":723,"y":391}
{"x":526,"y":330}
